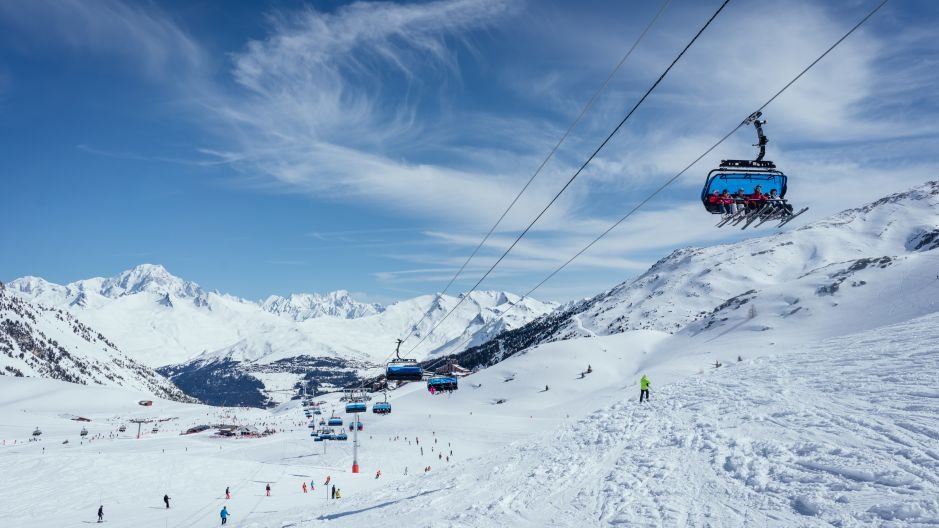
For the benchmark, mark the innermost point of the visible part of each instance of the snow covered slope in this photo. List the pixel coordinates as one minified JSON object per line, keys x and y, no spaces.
{"x":838,"y":432}
{"x":37,"y":341}
{"x":870,"y":265}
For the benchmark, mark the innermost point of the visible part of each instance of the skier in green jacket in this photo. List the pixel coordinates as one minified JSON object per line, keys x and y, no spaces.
{"x":644,"y":388}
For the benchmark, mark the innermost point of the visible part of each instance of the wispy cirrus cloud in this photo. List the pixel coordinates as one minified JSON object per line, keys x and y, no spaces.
{"x":144,"y":37}
{"x":365,"y":105}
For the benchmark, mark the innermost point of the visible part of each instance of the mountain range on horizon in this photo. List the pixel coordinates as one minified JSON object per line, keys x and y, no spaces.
{"x":861,"y":267}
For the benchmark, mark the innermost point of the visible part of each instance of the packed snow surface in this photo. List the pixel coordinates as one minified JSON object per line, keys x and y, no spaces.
{"x":837,"y":432}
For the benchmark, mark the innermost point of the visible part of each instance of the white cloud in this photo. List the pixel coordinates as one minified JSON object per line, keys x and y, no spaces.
{"x":355,"y":106}
{"x":143,"y":36}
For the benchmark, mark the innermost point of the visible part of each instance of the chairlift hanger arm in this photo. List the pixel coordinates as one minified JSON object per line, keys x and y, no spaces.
{"x":762,"y":140}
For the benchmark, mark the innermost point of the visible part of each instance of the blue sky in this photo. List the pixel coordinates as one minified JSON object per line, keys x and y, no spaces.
{"x":277,"y":147}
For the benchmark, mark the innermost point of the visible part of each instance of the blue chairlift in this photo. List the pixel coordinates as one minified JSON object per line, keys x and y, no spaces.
{"x":442,"y":384}
{"x":355,"y":407}
{"x":403,"y":369}
{"x":334,"y":421}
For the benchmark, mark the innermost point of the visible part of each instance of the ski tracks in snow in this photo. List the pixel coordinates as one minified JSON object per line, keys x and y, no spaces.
{"x":843,"y":433}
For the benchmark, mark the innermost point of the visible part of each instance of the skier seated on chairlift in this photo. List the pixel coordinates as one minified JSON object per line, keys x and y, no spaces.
{"x":757,"y":200}
{"x":740,"y":200}
{"x":716,"y":199}
{"x":729,"y":203}
{"x":778,"y":202}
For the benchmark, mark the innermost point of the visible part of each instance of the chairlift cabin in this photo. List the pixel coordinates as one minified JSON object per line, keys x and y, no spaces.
{"x":122,"y":428}
{"x":355,"y":407}
{"x":442,"y":384}
{"x":317,"y":411}
{"x":403,"y":369}
{"x":334,"y":421}
{"x":341,"y":436}
{"x":740,"y":179}
{"x":356,"y":425}
{"x":322,"y":422}
{"x":84,"y":432}
{"x":37,"y":432}
{"x":381,"y":408}
{"x":155,"y":430}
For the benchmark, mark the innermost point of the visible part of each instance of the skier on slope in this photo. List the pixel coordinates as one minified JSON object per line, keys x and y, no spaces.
{"x":334,"y":491}
{"x":166,"y":500}
{"x":644,"y":388}
{"x":227,"y":493}
{"x":101,"y":513}
{"x":268,"y":489}
{"x":224,"y":514}
{"x":304,"y":486}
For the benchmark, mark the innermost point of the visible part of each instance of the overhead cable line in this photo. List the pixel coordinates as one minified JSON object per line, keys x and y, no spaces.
{"x":544,"y":162}
{"x":577,"y":173}
{"x":672,"y":180}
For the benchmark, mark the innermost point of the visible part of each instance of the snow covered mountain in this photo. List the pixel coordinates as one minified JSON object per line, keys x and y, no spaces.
{"x":873,"y":264}
{"x":303,"y":306}
{"x":162,"y":320}
{"x":37,"y":341}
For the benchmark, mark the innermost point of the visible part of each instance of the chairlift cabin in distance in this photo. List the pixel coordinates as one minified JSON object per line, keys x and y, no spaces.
{"x":355,"y":407}
{"x":334,"y":421}
{"x":748,"y":185}
{"x":443,"y":383}
{"x":84,"y":432}
{"x":403,"y":369}
{"x":37,"y":432}
{"x":382,"y":407}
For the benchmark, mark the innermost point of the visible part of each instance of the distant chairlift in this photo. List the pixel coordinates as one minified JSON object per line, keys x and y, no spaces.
{"x":352,"y":426}
{"x":443,"y":383}
{"x":355,"y":407}
{"x":37,"y":432}
{"x":403,"y":369}
{"x":122,"y":428}
{"x":84,"y":432}
{"x":334,"y":421}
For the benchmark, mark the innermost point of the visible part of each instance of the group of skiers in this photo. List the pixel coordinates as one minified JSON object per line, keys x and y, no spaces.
{"x":731,"y":204}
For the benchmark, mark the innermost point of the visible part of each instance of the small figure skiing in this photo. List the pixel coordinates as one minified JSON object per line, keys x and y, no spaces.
{"x":101,"y":513}
{"x":268,"y":489}
{"x":224,"y":514}
{"x":338,"y":494}
{"x":304,"y":486}
{"x":644,"y":388}
{"x":227,"y":493}
{"x":378,"y":474}
{"x":166,"y":500}
{"x":334,"y":491}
